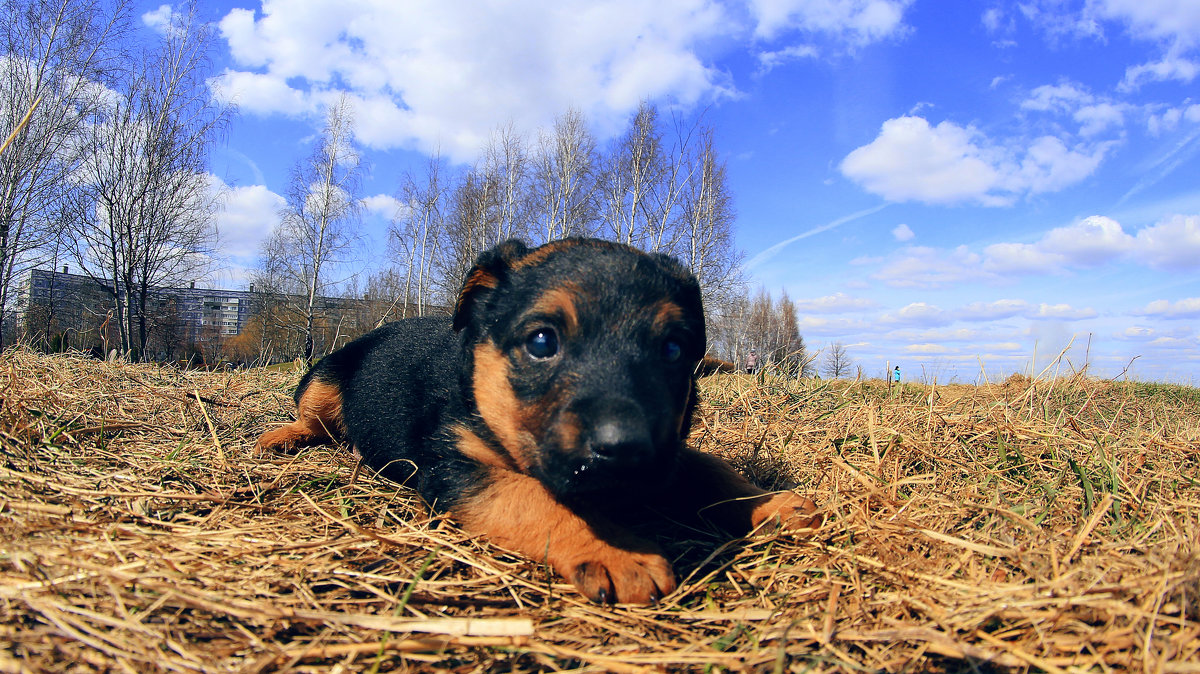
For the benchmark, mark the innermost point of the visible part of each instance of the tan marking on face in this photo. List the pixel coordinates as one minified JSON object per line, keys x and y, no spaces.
{"x":666,"y":314}
{"x":568,"y":431}
{"x":560,"y":301}
{"x":499,"y":407}
{"x":473,"y":446}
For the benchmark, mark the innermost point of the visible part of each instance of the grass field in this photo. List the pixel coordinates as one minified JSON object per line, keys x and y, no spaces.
{"x":1049,"y":525}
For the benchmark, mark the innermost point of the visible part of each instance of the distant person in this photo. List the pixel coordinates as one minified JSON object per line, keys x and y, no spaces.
{"x":752,"y":362}
{"x":896,"y":374}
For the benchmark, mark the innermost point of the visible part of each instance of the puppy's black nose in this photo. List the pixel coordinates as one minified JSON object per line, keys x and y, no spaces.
{"x":622,"y":443}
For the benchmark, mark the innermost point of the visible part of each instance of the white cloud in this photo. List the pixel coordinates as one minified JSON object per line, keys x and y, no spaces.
{"x":1188,"y":307}
{"x":902,"y":232}
{"x":1061,"y":98}
{"x":1136,"y":332}
{"x":991,"y":311}
{"x":383,"y":205}
{"x":1021,"y":258}
{"x":918,"y":313}
{"x":246,"y":220}
{"x":1173,"y":24}
{"x":947,"y":164}
{"x":926,"y":348}
{"x":429,"y":73}
{"x":159,"y":19}
{"x":831,"y":326}
{"x":1173,"y":243}
{"x":262,"y":94}
{"x":1089,"y":242}
{"x":856,"y":21}
{"x":836,"y":303}
{"x":1061,"y":312}
{"x":926,"y":267}
{"x":768,"y":60}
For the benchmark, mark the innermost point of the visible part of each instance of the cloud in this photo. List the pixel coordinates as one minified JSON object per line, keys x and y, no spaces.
{"x":1061,"y":312}
{"x":246,"y":220}
{"x":836,"y":303}
{"x":1185,"y":308}
{"x":1173,"y":243}
{"x":932,"y":349}
{"x":991,"y":311}
{"x":1021,"y":258}
{"x":858,"y":22}
{"x":918,"y":313}
{"x":902,"y":232}
{"x":910,"y":160}
{"x":769,"y":60}
{"x":1173,"y":24}
{"x":383,"y":205}
{"x":1094,"y":241}
{"x":927,"y":268}
{"x":425,"y":74}
{"x":1089,"y":242}
{"x":831,"y":326}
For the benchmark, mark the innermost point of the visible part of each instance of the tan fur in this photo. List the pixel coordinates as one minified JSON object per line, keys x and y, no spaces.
{"x":318,"y":420}
{"x":499,"y":407}
{"x":517,"y":512}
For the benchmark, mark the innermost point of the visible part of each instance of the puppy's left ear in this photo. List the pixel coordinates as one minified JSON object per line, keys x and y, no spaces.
{"x":490,"y":269}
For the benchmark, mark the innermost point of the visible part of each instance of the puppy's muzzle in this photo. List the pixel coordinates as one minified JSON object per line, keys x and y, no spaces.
{"x":618,"y":436}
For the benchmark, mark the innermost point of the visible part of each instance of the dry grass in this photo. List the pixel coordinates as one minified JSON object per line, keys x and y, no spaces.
{"x":1049,"y":525}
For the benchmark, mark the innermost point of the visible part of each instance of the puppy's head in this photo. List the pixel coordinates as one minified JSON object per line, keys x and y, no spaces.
{"x":581,"y":355}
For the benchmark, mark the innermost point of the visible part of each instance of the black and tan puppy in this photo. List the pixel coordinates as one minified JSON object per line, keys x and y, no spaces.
{"x":560,"y":393}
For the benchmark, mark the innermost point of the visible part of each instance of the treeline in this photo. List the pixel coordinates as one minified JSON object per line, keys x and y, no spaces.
{"x":111,"y":176}
{"x":110,"y":171}
{"x":661,"y":186}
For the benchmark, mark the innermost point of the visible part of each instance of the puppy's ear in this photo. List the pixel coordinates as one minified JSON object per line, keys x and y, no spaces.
{"x":490,"y":269}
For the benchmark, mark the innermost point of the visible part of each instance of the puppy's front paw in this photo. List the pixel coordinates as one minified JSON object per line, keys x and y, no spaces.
{"x":613,"y":575}
{"x":790,"y":510}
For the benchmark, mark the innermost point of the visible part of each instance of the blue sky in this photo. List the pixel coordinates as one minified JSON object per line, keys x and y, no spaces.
{"x":956,"y":187}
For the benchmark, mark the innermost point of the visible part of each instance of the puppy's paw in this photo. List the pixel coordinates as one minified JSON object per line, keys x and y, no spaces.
{"x":790,"y":511}
{"x":616,"y":576}
{"x":279,"y":441}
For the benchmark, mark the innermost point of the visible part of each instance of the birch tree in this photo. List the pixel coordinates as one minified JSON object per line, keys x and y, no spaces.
{"x":706,"y":242}
{"x":63,"y":55}
{"x":563,"y":184}
{"x":317,"y":227}
{"x":415,"y":233}
{"x":633,"y":166}
{"x":144,"y":211}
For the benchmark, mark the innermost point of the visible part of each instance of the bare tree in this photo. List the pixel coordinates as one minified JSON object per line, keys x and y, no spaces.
{"x":415,"y":233}
{"x":316,"y":228}
{"x":706,"y":238}
{"x":468,"y":230}
{"x":564,"y":179}
{"x":144,"y":218}
{"x":837,"y":361}
{"x":632,"y":168}
{"x":505,"y":168}
{"x":63,"y":53}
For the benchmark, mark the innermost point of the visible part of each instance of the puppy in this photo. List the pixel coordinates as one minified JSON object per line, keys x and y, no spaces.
{"x":558,"y":395}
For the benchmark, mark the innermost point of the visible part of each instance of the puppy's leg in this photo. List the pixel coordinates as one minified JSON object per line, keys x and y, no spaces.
{"x":708,"y":487}
{"x":318,"y":421}
{"x":606,"y":563}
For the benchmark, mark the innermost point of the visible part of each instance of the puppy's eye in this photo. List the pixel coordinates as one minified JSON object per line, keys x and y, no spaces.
{"x":672,"y":351}
{"x":542,"y":343}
